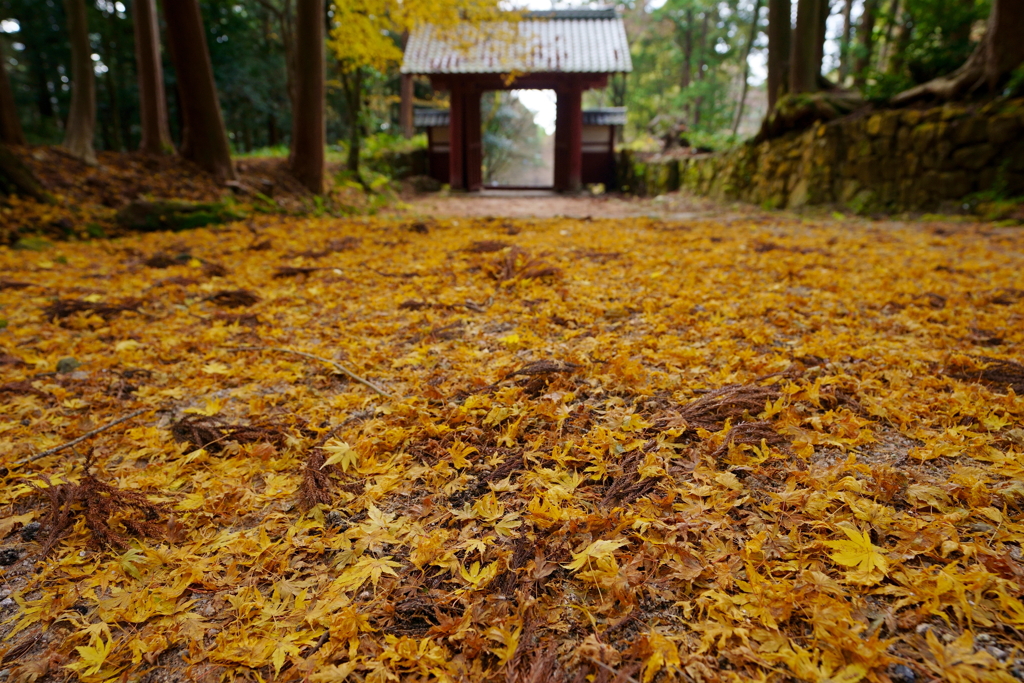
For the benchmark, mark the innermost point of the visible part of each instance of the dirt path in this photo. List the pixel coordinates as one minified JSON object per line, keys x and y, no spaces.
{"x":545,"y":204}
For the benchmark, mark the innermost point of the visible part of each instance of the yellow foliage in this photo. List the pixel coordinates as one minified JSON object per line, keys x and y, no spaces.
{"x":778,"y":460}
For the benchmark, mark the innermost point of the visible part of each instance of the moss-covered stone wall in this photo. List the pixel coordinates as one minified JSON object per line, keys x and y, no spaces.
{"x":890,"y":160}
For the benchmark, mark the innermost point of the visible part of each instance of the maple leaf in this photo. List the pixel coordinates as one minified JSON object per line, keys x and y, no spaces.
{"x":479,"y":577}
{"x":335,"y":673}
{"x":216,"y":368}
{"x":859,"y":552}
{"x":598,"y":551}
{"x":340,"y":453}
{"x":95,"y":653}
{"x":460,"y":452}
{"x":664,"y":653}
{"x":367,"y":567}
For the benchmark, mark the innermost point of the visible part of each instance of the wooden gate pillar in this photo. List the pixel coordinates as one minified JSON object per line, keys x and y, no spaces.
{"x":474,"y":145}
{"x":456,"y":138}
{"x":569,"y":138}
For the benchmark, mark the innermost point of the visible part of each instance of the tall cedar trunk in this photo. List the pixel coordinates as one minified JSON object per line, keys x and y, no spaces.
{"x":702,"y":65}
{"x":746,"y":65}
{"x":44,"y":101}
{"x":156,"y":131}
{"x":898,"y":57}
{"x":999,"y":53}
{"x":81,"y":126}
{"x":405,"y":112}
{"x":10,"y":125}
{"x":288,"y":38}
{"x":116,"y":142}
{"x":803,"y":76}
{"x":844,"y":43}
{"x":867,"y":41}
{"x":309,"y":132}
{"x":779,"y":36}
{"x":824,"y":10}
{"x":406,"y":97}
{"x":204,"y":139}
{"x":352,"y":84}
{"x":687,"y":51}
{"x":17,"y":178}
{"x":885,"y":52}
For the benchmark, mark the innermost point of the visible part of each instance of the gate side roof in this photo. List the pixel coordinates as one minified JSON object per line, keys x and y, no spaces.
{"x":566,"y":41}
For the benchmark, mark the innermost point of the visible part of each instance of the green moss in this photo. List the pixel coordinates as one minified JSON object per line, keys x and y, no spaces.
{"x":146,"y":216}
{"x":33,"y":243}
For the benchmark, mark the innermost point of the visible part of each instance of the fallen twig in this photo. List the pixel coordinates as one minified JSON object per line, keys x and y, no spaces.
{"x":618,"y":675}
{"x":341,"y":368}
{"x":83,"y":437}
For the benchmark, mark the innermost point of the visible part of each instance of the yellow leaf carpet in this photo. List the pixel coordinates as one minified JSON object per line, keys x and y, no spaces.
{"x":495,"y":450}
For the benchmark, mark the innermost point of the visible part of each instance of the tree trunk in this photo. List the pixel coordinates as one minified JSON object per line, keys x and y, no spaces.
{"x":803,"y":76}
{"x":999,"y":53}
{"x":885,"y":51}
{"x":899,"y":55}
{"x":204,"y":139}
{"x":156,"y":131}
{"x":352,"y":84}
{"x":17,"y":178}
{"x":824,"y":10}
{"x":405,"y":112}
{"x":844,"y":43}
{"x":779,"y":30}
{"x":746,"y":65}
{"x":10,"y":125}
{"x":110,"y":81}
{"x":81,"y":126}
{"x":687,"y":51}
{"x":43,"y":98}
{"x":702,"y":65}
{"x":867,"y":40}
{"x":309,"y":132}
{"x":406,"y":96}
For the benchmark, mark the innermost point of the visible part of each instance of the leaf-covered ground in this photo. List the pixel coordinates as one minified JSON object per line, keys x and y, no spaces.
{"x":603,"y":450}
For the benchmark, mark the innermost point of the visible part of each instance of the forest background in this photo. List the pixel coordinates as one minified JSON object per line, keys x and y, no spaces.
{"x":699,"y":66}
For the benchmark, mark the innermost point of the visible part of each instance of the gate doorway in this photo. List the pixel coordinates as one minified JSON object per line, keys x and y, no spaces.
{"x":518,"y":149}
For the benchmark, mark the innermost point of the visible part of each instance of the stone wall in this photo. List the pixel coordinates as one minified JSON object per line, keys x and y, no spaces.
{"x":890,"y":160}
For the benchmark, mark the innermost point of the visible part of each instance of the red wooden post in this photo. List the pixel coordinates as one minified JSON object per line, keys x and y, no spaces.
{"x":574,"y":100}
{"x":561,"y":142}
{"x":569,"y":138}
{"x":456,"y":138}
{"x":474,"y":146}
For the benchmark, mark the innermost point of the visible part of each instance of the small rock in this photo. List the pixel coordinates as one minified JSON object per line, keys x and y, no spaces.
{"x":998,"y":652}
{"x":9,"y":556}
{"x":30,"y":531}
{"x":65,"y":365}
{"x":901,"y":673}
{"x":333,"y":519}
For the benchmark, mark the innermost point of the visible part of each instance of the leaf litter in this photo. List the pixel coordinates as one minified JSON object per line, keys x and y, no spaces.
{"x":650,"y":455}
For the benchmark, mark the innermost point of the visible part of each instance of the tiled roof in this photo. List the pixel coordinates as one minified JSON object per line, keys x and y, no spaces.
{"x":608,"y":116}
{"x":429,"y":118}
{"x":566,"y":41}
